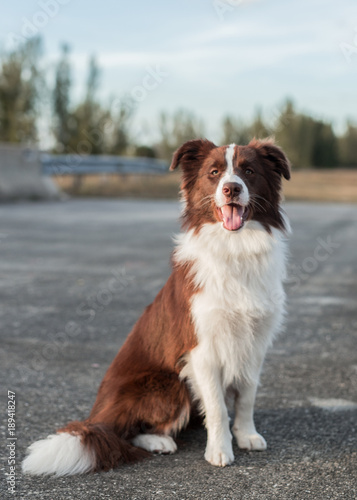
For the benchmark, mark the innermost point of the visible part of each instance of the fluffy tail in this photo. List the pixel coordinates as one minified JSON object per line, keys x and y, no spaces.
{"x":79,"y":448}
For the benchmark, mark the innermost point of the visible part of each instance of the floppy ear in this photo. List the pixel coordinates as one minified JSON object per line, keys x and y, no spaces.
{"x":191,"y":154}
{"x":274,"y":155}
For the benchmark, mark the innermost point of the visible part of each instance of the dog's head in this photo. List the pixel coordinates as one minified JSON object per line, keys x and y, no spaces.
{"x":231,"y":184}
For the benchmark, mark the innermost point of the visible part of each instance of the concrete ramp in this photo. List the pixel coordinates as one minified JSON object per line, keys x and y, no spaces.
{"x":21,"y":175}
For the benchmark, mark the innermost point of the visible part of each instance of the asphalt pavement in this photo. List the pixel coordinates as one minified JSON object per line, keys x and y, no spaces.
{"x":75,"y":276}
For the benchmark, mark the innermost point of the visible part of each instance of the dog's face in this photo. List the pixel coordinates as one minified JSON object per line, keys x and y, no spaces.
{"x":231,"y":184}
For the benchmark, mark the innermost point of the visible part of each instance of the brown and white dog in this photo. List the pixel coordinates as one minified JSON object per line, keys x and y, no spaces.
{"x":205,"y":335}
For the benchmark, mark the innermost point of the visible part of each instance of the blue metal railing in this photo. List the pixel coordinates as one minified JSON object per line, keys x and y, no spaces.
{"x":97,"y":164}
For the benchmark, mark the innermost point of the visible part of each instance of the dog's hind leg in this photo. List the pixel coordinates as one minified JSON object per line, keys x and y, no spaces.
{"x":150,"y":409}
{"x":155,"y":443}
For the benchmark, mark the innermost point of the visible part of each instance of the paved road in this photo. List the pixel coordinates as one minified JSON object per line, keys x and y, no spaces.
{"x":74,"y":277}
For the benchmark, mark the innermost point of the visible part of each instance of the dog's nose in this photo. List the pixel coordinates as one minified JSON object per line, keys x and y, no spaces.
{"x":231,"y":189}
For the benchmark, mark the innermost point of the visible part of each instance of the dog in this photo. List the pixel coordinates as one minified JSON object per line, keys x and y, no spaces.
{"x":202,"y":342}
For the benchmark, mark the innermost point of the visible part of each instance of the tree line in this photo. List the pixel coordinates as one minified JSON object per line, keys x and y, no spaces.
{"x":89,"y":127}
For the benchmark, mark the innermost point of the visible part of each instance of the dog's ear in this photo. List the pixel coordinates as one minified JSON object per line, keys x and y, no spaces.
{"x":273,"y":155}
{"x":191,"y":154}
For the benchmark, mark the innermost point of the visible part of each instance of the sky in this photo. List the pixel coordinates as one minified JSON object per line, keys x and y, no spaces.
{"x":213,"y":57}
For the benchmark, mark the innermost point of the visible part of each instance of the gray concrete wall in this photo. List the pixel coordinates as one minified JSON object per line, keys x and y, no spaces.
{"x":21,"y":175}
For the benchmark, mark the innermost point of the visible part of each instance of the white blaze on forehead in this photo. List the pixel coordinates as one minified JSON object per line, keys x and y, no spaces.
{"x":229,"y":158}
{"x":230,"y":176}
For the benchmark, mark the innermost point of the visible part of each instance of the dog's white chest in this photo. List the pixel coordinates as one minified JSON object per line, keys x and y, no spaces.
{"x":240,"y":299}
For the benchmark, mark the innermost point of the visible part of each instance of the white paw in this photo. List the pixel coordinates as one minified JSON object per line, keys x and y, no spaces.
{"x":155,"y":443}
{"x":219,"y":457}
{"x":250,"y":441}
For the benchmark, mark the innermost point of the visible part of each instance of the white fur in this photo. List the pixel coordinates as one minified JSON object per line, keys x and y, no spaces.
{"x":60,"y":454}
{"x":230,"y":176}
{"x":155,"y":443}
{"x":236,"y":312}
{"x":229,"y":158}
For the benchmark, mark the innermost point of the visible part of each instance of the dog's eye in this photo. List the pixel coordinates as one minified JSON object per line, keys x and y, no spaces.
{"x":214,"y":172}
{"x":249,"y":171}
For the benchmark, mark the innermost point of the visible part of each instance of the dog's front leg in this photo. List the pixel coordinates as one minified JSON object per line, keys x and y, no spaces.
{"x":207,"y":382}
{"x":243,"y":428}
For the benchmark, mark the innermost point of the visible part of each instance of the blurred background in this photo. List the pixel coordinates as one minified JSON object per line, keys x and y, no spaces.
{"x":95,"y":97}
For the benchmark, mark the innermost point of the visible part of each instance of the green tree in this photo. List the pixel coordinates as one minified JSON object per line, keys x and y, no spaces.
{"x":325,"y":148}
{"x":88,"y":128}
{"x":294,"y":133}
{"x":82,"y":128}
{"x":20,"y":84}
{"x":176,"y":129}
{"x":88,"y":120}
{"x":120,"y":136}
{"x":258,"y":128}
{"x":145,"y":151}
{"x":347,"y":145}
{"x":61,"y":101}
{"x":307,"y":142}
{"x":234,"y":131}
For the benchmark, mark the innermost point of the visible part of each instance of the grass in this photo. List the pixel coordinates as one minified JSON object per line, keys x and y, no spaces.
{"x":165,"y":186}
{"x":314,"y":185}
{"x":322,"y":185}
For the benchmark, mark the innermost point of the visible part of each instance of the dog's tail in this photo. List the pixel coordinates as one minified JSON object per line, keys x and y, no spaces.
{"x":78,"y":448}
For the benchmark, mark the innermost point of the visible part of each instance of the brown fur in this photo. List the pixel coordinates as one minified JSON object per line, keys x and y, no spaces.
{"x":105,"y":441}
{"x":141,"y":391}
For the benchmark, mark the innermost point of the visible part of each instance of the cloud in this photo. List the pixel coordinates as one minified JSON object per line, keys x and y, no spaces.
{"x":240,"y":56}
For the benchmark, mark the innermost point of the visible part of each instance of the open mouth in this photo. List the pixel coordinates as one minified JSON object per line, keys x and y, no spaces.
{"x":232,"y":216}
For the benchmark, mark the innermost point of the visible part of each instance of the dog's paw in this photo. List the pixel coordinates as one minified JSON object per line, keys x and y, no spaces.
{"x":250,"y":441}
{"x":219,"y":457}
{"x":155,"y":443}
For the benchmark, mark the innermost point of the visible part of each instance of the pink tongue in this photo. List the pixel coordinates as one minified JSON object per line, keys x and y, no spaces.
{"x":231,"y":217}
